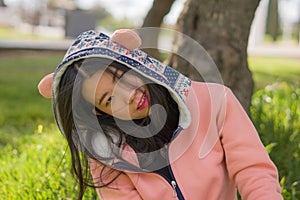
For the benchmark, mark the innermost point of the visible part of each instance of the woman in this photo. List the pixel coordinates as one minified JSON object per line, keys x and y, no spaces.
{"x":145,"y":131}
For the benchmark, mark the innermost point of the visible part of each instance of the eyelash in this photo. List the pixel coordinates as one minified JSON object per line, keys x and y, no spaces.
{"x":115,"y":75}
{"x":109,"y":100}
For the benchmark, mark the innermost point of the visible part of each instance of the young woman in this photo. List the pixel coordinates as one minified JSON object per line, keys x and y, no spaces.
{"x":144,"y":131}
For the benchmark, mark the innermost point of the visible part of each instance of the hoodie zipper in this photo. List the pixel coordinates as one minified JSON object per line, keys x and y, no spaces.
{"x":176,"y":190}
{"x":172,"y":182}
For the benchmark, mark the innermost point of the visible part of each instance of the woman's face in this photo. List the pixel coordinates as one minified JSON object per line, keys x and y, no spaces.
{"x":122,"y":95}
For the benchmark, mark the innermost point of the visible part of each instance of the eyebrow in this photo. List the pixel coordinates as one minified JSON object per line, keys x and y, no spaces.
{"x":114,"y":73}
{"x":102,"y":98}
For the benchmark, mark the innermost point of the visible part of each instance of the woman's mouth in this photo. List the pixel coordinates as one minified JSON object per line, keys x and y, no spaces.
{"x":143,"y":103}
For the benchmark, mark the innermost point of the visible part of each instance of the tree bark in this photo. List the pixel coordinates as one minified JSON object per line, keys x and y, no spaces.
{"x":222,"y":28}
{"x":155,"y":18}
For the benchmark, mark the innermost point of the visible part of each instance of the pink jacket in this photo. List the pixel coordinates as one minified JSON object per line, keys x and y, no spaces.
{"x":219,"y":152}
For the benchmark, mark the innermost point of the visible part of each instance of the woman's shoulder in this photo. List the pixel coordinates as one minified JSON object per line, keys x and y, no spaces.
{"x":208,"y":85}
{"x":211,"y":89}
{"x":210,"y":98}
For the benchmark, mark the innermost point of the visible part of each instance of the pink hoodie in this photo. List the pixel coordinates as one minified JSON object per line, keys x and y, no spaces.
{"x":217,"y":154}
{"x":217,"y":151}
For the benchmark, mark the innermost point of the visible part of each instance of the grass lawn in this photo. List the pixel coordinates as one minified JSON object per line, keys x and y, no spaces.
{"x":33,"y":165}
{"x":11,"y":33}
{"x":268,"y":70}
{"x":33,"y":157}
{"x":22,"y":108}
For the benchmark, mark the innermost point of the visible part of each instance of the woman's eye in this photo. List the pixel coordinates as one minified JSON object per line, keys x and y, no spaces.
{"x":109,"y":100}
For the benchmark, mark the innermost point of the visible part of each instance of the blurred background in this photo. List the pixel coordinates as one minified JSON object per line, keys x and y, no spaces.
{"x":276,"y":21}
{"x":262,"y":37}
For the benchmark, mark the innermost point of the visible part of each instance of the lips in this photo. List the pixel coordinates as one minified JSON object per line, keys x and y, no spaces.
{"x":143,"y":103}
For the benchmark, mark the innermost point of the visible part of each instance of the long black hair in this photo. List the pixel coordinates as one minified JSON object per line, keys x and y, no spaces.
{"x":116,"y":137}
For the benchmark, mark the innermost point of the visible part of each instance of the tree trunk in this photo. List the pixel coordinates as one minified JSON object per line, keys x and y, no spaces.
{"x":155,"y":18}
{"x":222,"y":28}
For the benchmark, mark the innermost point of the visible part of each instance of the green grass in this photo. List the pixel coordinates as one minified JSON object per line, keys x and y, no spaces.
{"x":22,"y":108}
{"x":37,"y":166}
{"x":267,"y":70}
{"x":11,"y":33}
{"x":32,"y":151}
{"x":275,"y":113}
{"x":33,"y":165}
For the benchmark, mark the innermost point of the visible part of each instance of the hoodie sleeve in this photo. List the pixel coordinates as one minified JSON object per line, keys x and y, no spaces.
{"x":248,"y":162}
{"x":120,"y":189}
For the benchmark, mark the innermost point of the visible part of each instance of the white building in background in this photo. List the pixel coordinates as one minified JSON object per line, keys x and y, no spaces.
{"x":51,"y":22}
{"x":8,"y":16}
{"x":289,"y":14}
{"x":55,"y":21}
{"x":284,"y":48}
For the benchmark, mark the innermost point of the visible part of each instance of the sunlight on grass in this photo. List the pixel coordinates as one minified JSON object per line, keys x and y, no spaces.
{"x":32,"y":150}
{"x":37,"y":168}
{"x":267,"y":70}
{"x":11,"y":33}
{"x":275,"y":113}
{"x":21,"y":103}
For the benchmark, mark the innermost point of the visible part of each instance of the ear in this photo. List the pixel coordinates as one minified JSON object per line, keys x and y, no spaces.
{"x":127,"y":38}
{"x":45,"y":86}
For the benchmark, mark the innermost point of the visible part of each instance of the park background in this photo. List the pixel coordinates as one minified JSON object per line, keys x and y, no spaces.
{"x":34,"y":34}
